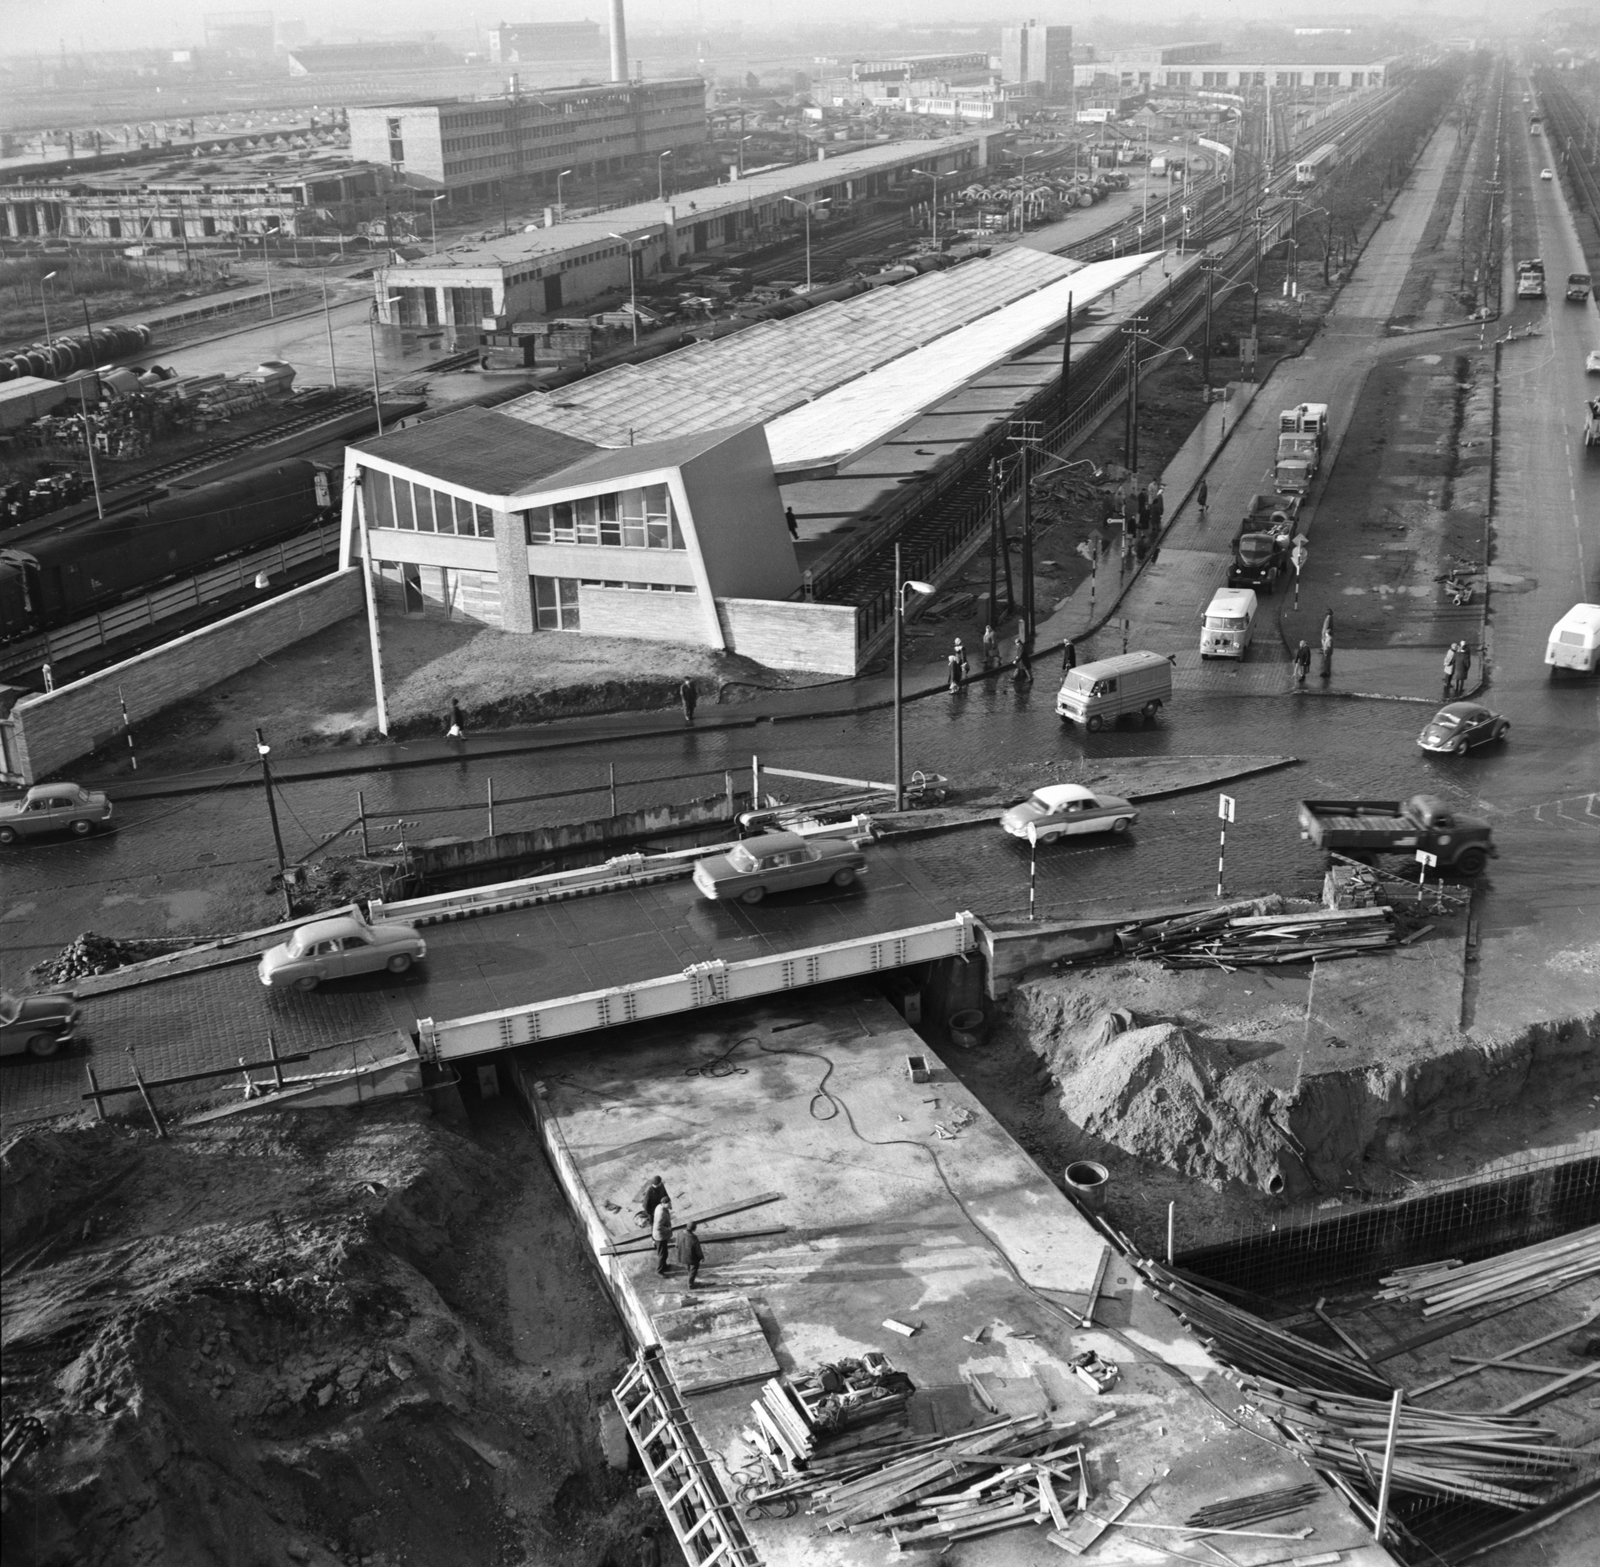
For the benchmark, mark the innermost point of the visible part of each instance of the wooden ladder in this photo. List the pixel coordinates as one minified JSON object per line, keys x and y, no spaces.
{"x":704,"y":1522}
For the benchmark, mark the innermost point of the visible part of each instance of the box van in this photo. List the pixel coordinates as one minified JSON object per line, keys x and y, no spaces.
{"x":1099,"y":693}
{"x":1229,"y":624}
{"x":1575,"y":640}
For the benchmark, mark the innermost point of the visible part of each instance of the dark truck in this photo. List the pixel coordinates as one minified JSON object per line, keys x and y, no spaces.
{"x":1261,"y":546}
{"x":1364,"y":828}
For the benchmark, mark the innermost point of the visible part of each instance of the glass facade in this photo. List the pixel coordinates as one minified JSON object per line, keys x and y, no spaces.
{"x":642,"y":519}
{"x":555,"y":599}
{"x":414,"y":508}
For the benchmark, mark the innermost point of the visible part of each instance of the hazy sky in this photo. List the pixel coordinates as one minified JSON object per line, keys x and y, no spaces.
{"x":28,"y":26}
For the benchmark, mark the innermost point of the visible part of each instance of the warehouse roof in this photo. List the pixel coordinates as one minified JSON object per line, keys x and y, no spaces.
{"x":479,"y":449}
{"x":761,"y":372}
{"x":867,"y":410}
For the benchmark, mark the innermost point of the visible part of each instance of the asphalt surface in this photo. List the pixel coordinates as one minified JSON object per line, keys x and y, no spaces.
{"x":1536,"y":905}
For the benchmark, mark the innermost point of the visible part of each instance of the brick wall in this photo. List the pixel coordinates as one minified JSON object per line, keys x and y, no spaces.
{"x":59,"y":726}
{"x":783,"y":634}
{"x":654,"y":617}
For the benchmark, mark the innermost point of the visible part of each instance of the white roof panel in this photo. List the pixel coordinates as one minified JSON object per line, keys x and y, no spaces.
{"x":854,"y":417}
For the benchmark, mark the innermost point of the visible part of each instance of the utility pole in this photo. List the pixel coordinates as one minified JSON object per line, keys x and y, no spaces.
{"x":1255,"y":290}
{"x":1132,"y":328}
{"x":263,"y":750}
{"x":1208,"y":265}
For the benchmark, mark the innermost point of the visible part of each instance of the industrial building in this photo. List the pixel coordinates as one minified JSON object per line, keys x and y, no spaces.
{"x":244,"y":196}
{"x":473,"y":146}
{"x":1039,"y":58}
{"x":513,"y":42}
{"x":565,"y":266}
{"x":1199,"y":65}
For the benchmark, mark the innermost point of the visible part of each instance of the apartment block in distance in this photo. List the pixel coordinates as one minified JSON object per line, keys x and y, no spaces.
{"x":1038,"y":57}
{"x":471,"y":146}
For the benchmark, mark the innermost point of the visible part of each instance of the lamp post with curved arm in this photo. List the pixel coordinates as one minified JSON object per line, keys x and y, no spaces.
{"x":932,"y":174}
{"x":806,"y":207}
{"x":1130,"y":452}
{"x":661,"y":175}
{"x":633,"y":297}
{"x":900,"y":588}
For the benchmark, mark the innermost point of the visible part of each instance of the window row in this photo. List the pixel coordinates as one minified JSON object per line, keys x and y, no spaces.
{"x":397,"y":503}
{"x":555,"y":599}
{"x":642,"y":519}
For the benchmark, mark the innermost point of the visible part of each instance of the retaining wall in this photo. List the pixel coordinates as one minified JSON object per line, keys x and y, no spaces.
{"x":56,"y":727}
{"x":784,"y":634}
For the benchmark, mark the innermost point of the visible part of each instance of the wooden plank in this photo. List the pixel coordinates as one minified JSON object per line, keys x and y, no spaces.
{"x":643,"y":1243}
{"x":1087,"y":1319}
{"x":1047,"y":1494}
{"x":1089,"y":1525}
{"x":1551,"y":1390}
{"x":707,"y":1214}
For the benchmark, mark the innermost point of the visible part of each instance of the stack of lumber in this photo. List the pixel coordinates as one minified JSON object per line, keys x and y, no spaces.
{"x":1446,"y":1288}
{"x":1438,"y":1452}
{"x":1248,"y":1344}
{"x":1245,"y":1510}
{"x":782,"y":1420}
{"x":1220,"y":939}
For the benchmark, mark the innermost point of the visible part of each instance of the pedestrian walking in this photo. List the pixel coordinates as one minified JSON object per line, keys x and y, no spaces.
{"x":1201,"y":497}
{"x":454,"y":732}
{"x":649,"y":1546}
{"x":1158,"y":509}
{"x":1327,"y":646}
{"x":690,"y":1252}
{"x":953,"y":671}
{"x":1022,"y":675}
{"x":794,"y":526}
{"x":1460,"y":663}
{"x":688,"y":696}
{"x":1302,"y":665}
{"x":651,"y":1198}
{"x":961,"y":659}
{"x":1069,"y":656}
{"x":1448,"y":671}
{"x":661,"y":1235}
{"x":1144,"y":511}
{"x":991,"y":649}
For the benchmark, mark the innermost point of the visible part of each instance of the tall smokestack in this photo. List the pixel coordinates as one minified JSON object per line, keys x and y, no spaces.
{"x":619,"y":43}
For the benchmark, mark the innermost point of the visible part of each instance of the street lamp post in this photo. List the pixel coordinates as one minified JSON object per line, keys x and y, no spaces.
{"x":372,"y":339}
{"x":1131,"y":327}
{"x":1208,"y":265}
{"x":1255,"y":286}
{"x":433,"y":218}
{"x":900,"y":586}
{"x":560,"y":209}
{"x":633,"y":297}
{"x":327,"y":321}
{"x":806,"y":207}
{"x":661,"y":175}
{"x":742,"y":141}
{"x":44,"y":305}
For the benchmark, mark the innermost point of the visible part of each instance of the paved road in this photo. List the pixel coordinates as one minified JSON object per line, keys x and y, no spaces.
{"x":1534,"y":893}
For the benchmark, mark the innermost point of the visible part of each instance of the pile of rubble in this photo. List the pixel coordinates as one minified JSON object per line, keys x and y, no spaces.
{"x":95,"y":954}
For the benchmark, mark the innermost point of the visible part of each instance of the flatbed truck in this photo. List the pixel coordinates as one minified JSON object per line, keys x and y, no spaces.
{"x":1361,"y":829}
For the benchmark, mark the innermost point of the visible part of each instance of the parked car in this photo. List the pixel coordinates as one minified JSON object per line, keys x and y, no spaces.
{"x":53,"y":807}
{"x":778,"y":862}
{"x":332,"y":948}
{"x":1592,"y":363}
{"x":1461,"y":725}
{"x":1065,"y":810}
{"x":1547,"y":174}
{"x":37,"y":1025}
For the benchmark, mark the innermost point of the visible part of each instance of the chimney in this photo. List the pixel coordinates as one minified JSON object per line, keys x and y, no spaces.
{"x":619,"y":43}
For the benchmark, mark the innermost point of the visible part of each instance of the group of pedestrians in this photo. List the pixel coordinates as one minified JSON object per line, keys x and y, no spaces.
{"x":958,"y":669}
{"x":1302,"y":654}
{"x":655,"y":1212}
{"x":1457,"y":667}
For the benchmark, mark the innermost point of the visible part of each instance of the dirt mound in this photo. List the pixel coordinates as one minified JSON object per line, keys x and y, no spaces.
{"x":1160,"y":1093}
{"x":95,"y":954}
{"x":285,"y":1340}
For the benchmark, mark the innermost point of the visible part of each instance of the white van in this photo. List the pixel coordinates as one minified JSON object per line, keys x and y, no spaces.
{"x":1575,"y":640}
{"x":1097,"y":694}
{"x":1230,"y":623}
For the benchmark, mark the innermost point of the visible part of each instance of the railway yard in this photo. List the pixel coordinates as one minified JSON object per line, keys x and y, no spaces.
{"x":1065,"y":1028}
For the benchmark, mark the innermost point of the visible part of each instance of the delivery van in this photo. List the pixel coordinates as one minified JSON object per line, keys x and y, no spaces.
{"x":1230,"y":623}
{"x":1098,"y":694}
{"x":1575,"y":640}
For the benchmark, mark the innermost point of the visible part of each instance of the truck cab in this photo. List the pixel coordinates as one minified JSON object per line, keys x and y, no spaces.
{"x":1578,"y":284}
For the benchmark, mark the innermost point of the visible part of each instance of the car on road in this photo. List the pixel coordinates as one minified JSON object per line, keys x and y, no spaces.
{"x":36,"y":1025}
{"x":1547,"y":174}
{"x":778,"y":862}
{"x":333,"y":948}
{"x":1592,"y":363}
{"x":1456,"y":728}
{"x":1066,"y":810}
{"x":53,"y":807}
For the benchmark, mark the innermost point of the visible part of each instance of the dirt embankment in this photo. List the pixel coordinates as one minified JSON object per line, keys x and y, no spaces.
{"x":366,"y":1340}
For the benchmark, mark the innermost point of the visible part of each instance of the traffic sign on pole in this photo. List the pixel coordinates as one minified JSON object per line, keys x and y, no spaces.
{"x":1225,"y":813}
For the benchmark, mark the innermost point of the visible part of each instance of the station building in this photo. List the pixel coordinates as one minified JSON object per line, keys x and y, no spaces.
{"x":564,"y":266}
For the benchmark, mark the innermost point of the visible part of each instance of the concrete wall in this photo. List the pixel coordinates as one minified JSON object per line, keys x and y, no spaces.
{"x":737,"y":516}
{"x":57,"y":727}
{"x":786,"y":634}
{"x":652,"y":617}
{"x":455,"y":854}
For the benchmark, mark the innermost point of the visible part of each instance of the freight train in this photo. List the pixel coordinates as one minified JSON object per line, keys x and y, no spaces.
{"x":66,"y":566}
{"x":74,"y":351}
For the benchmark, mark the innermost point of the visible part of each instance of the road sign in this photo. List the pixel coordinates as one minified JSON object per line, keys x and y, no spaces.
{"x":1299,"y":555}
{"x":1424,"y":858}
{"x":1225,"y":807}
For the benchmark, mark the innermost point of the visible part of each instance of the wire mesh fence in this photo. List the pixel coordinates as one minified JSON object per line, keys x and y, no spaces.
{"x":1524,"y":1198}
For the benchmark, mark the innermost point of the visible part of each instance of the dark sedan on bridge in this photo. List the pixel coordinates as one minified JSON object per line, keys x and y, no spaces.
{"x":1453,"y":730}
{"x":778,"y":862}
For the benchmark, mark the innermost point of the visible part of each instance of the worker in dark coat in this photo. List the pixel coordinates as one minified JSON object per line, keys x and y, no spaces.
{"x":650,"y":1199}
{"x":1069,"y":656}
{"x":1302,"y":665}
{"x":688,"y":696}
{"x":690,"y":1252}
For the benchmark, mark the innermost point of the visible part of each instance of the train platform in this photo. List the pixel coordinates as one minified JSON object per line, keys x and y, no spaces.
{"x":889,"y":1199}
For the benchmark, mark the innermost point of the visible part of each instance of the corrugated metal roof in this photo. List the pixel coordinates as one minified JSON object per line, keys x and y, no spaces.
{"x":856,"y":416}
{"x":756,"y":375}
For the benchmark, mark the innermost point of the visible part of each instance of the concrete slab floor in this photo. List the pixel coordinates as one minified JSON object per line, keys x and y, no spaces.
{"x":887,"y":1219}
